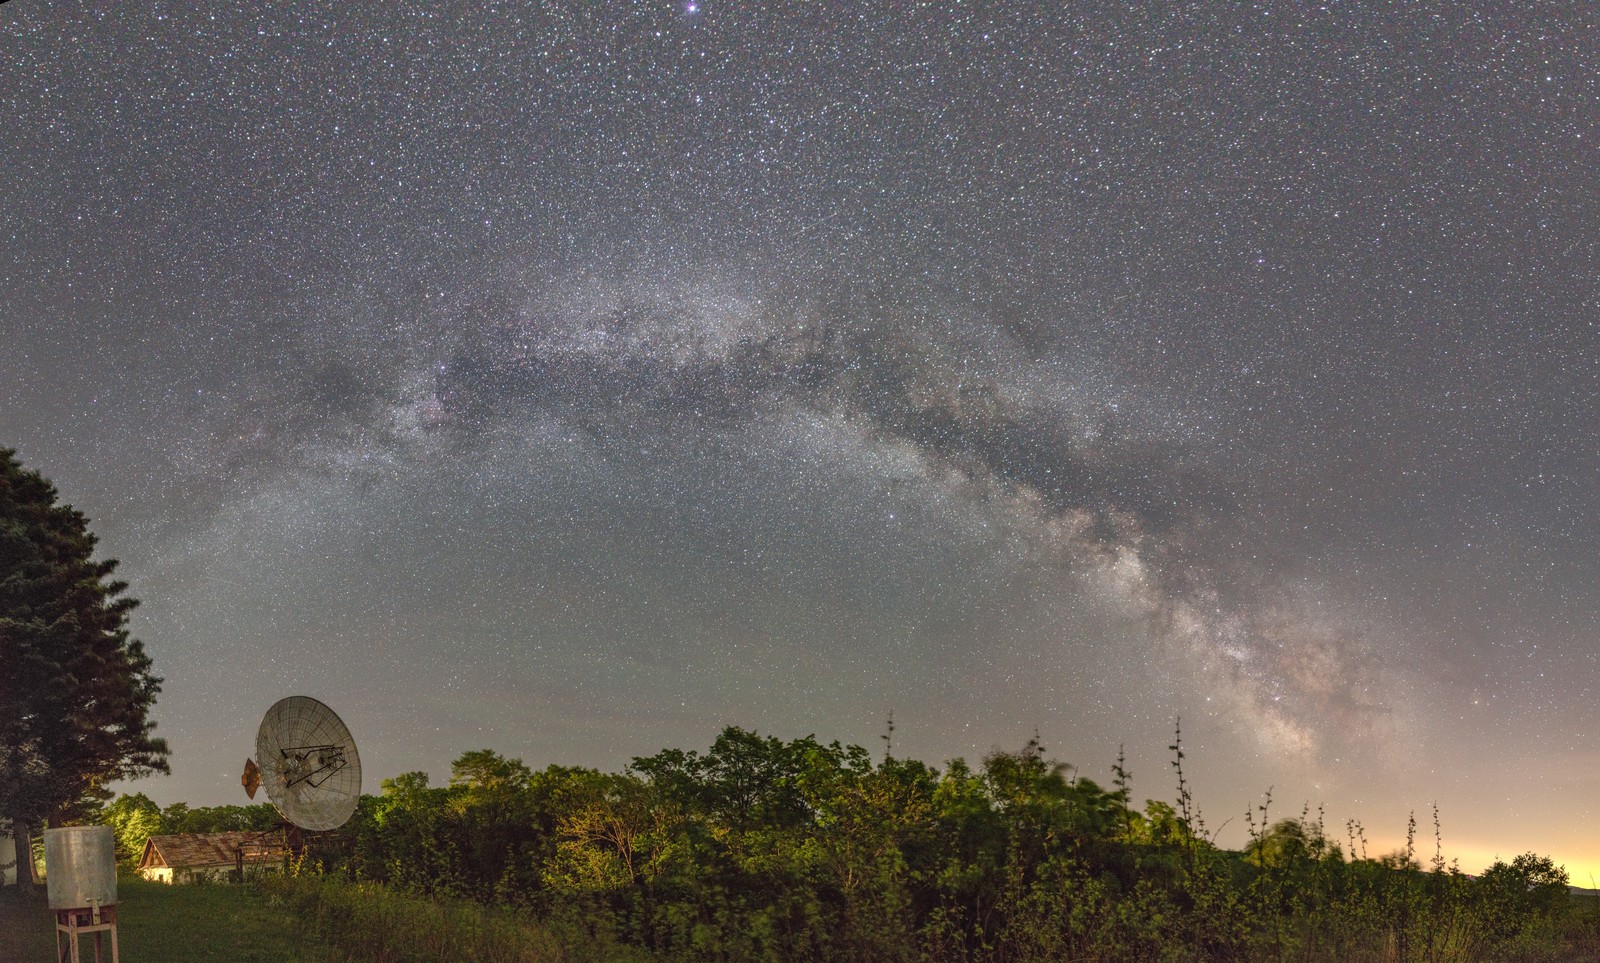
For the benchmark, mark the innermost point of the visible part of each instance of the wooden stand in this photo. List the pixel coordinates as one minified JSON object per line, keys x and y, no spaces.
{"x":73,"y":923}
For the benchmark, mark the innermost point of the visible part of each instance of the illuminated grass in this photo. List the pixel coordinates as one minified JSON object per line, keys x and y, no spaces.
{"x":176,"y":924}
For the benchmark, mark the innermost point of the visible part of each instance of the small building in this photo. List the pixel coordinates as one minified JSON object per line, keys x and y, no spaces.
{"x":190,"y":857}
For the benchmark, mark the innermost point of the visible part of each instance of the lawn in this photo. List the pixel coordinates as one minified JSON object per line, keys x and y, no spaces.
{"x":175,"y":924}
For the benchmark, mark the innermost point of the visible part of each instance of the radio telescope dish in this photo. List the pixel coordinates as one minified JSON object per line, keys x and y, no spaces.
{"x":308,"y":763}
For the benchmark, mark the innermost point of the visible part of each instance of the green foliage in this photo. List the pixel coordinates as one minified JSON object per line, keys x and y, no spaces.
{"x":179,"y":818}
{"x":134,"y":818}
{"x":766,"y":849}
{"x":75,"y":688}
{"x":1531,"y":886}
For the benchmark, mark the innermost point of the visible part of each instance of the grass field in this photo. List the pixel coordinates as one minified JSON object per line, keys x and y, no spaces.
{"x":174,"y":924}
{"x":302,"y":920}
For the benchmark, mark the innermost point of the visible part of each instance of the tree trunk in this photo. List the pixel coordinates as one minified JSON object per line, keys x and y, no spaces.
{"x":7,"y":854}
{"x":22,"y":841}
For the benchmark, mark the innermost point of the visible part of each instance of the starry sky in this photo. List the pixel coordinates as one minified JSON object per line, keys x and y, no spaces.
{"x":574,"y":380}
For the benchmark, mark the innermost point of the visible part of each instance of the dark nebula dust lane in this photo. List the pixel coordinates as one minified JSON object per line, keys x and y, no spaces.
{"x":575,"y":382}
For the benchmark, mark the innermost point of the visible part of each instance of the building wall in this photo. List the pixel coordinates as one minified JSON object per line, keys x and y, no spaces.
{"x":189,"y":874}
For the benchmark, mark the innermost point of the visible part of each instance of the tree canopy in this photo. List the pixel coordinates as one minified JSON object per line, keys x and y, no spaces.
{"x":761,"y":848}
{"x":75,"y":688}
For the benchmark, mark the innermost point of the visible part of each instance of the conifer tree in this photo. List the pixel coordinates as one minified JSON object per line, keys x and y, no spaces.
{"x":75,"y":688}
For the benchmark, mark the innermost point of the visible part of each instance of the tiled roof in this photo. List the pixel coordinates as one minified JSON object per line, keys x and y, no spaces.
{"x":206,"y":849}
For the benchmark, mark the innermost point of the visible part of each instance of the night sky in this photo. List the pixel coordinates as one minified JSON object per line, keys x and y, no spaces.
{"x":574,"y":380}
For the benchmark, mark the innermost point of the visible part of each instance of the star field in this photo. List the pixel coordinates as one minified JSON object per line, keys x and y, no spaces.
{"x":574,"y":381}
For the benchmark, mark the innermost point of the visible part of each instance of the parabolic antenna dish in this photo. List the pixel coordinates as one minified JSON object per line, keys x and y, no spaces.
{"x":308,"y":763}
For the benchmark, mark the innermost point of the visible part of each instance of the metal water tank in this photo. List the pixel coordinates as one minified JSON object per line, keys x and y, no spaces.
{"x":80,"y":866}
